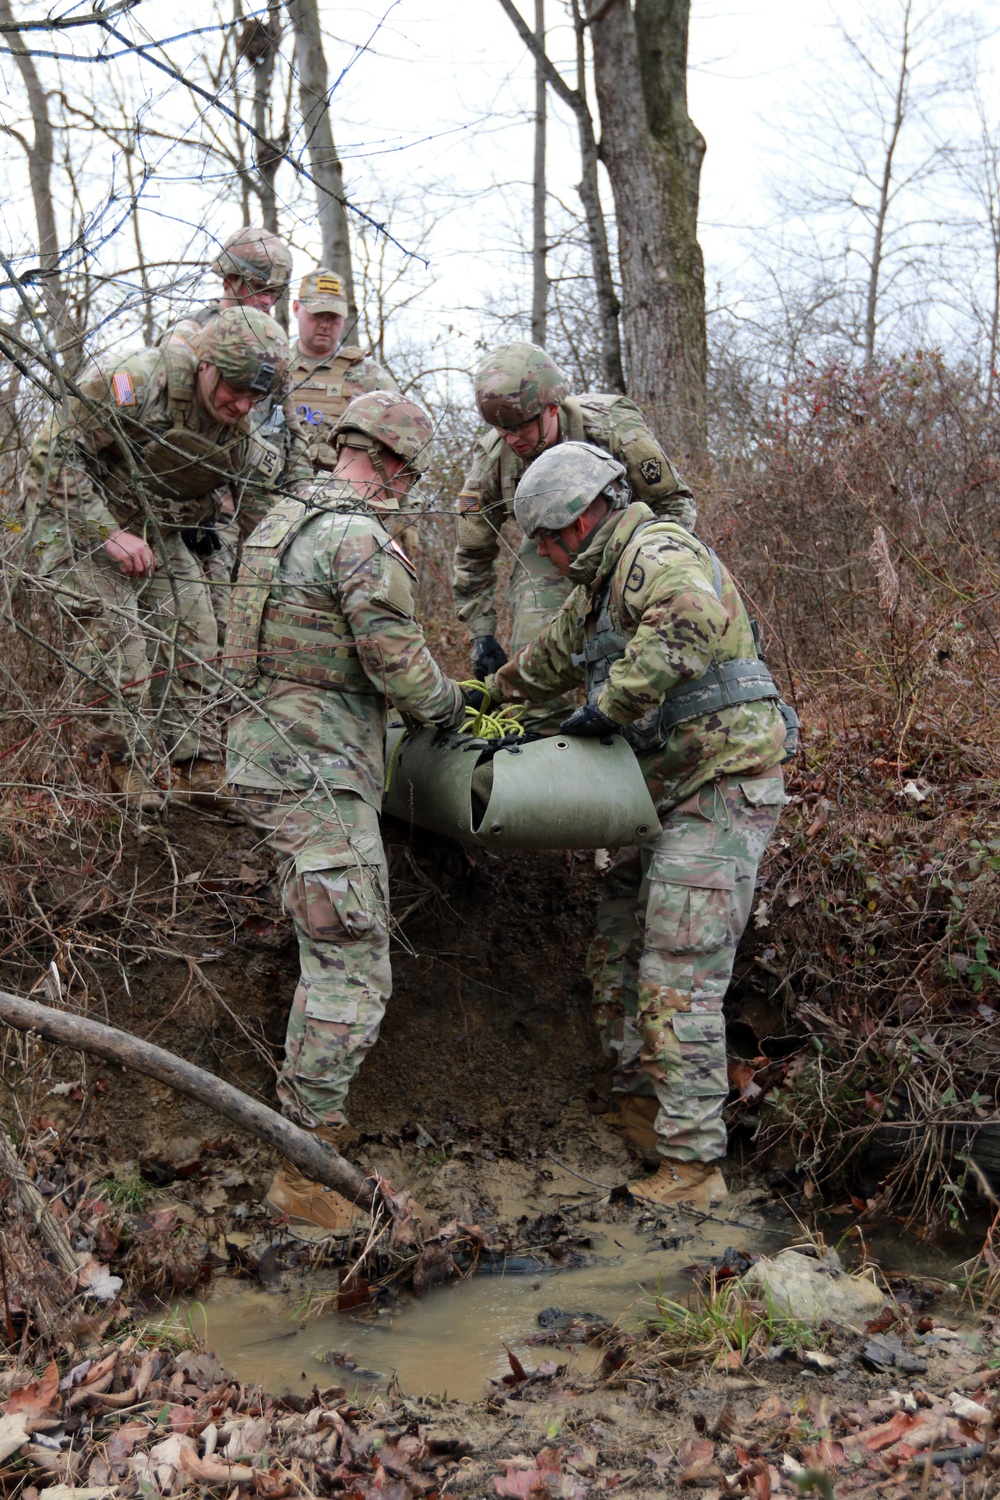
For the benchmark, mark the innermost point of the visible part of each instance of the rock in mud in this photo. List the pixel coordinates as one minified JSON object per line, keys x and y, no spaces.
{"x":812,"y":1291}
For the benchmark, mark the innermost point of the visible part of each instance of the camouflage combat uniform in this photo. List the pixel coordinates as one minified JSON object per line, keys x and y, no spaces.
{"x":139,"y":453}
{"x":536,"y":589}
{"x":673,"y":910}
{"x":322,"y":638}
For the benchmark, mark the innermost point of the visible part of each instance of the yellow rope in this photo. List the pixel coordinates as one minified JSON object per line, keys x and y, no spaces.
{"x":483,"y":724}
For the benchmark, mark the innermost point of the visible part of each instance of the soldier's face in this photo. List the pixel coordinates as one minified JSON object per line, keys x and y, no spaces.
{"x":236,"y":293}
{"x":225,"y":402}
{"x":319,"y":332}
{"x":533,"y":437}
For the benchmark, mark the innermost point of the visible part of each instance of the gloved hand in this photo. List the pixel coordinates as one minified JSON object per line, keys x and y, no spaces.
{"x":487,"y":656}
{"x":474,"y":697}
{"x":202,"y":540}
{"x":591,"y":722}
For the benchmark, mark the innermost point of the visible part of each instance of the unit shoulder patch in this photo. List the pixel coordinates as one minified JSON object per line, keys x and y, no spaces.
{"x":635,"y":579}
{"x":651,"y":470}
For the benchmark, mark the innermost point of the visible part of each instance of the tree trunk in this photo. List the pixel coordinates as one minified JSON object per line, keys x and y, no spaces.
{"x":40,"y":155}
{"x":324,"y":163}
{"x":597,"y":234}
{"x":875,"y":264}
{"x":653,"y":154}
{"x":539,"y":278}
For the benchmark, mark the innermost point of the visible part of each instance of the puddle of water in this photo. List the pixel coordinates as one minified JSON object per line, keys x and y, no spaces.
{"x":451,"y":1340}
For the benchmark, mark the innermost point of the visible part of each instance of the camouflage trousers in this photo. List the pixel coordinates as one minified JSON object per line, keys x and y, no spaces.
{"x":334,"y":886}
{"x":670,"y":919}
{"x":535,"y":593}
{"x":141,"y":643}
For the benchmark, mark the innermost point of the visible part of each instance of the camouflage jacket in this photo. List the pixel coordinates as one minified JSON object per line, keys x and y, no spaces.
{"x":93,"y":457}
{"x":324,"y":387}
{"x":487,"y":497}
{"x":342,"y":566}
{"x":276,"y":424}
{"x":663,"y":601}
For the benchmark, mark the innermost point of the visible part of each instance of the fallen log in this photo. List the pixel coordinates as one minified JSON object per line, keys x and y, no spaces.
{"x":36,"y":1208}
{"x":313,"y":1157}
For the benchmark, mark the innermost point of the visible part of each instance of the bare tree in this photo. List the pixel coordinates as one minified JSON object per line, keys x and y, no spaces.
{"x":653,"y":154}
{"x":40,"y":154}
{"x":310,"y":62}
{"x":539,"y":277}
{"x":589,"y":189}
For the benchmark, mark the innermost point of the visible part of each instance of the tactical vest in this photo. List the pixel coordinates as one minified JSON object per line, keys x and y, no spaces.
{"x":724,"y":684}
{"x":291,"y":642}
{"x":178,"y":469}
{"x":320,"y":398}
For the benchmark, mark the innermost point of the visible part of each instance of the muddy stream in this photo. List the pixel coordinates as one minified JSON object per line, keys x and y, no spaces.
{"x":451,"y":1340}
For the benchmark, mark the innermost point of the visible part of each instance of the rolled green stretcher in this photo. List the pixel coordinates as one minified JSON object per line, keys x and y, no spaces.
{"x":554,"y":793}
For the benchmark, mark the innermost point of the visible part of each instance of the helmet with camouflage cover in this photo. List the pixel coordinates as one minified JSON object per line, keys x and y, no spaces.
{"x":384,"y":419}
{"x":256,"y":256}
{"x":246,"y":347}
{"x":515,"y":382}
{"x":559,"y":486}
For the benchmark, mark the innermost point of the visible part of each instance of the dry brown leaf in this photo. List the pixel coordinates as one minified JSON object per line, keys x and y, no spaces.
{"x":39,"y":1397}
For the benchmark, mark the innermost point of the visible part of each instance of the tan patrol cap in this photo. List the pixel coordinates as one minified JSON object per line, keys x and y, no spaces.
{"x":323,"y":291}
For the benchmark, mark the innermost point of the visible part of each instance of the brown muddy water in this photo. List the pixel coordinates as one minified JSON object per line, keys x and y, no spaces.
{"x":451,"y":1341}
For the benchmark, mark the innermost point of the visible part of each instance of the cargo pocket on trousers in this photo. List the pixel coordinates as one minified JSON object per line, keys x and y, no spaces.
{"x":340,"y":894}
{"x":689,"y":903}
{"x":701,"y":1039}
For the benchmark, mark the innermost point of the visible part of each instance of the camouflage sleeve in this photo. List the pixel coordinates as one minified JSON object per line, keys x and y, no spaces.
{"x":374,"y":581}
{"x":545,"y":667}
{"x":651,"y":475}
{"x":380,"y":379}
{"x":59,"y":460}
{"x":669,"y":594}
{"x":481,"y":513}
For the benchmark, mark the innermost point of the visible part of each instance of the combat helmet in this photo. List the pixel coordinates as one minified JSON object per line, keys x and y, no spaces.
{"x":515,"y":382}
{"x":559,"y":486}
{"x":383,"y":419}
{"x":256,"y":256}
{"x":246,"y":347}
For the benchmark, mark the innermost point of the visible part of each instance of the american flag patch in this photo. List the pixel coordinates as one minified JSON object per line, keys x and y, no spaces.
{"x":124,"y":390}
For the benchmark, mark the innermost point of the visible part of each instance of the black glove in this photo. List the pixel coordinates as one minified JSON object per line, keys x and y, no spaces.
{"x":589,"y":721}
{"x":487,"y":656}
{"x":203,"y":540}
{"x":474,"y":697}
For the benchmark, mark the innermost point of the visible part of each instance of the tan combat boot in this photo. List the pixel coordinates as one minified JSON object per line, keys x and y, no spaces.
{"x":306,"y":1202}
{"x":198,"y":783}
{"x":131,"y":780}
{"x":634,"y":1115}
{"x":699,"y":1183}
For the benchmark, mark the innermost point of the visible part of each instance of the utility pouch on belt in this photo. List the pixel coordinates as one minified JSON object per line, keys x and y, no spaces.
{"x":528,"y":795}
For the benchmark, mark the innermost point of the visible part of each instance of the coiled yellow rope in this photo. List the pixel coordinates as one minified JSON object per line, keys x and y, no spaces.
{"x":483,"y":724}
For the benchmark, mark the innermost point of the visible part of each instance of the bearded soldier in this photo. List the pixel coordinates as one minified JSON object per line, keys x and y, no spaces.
{"x":128,"y":473}
{"x":654,"y":626}
{"x":524,"y":397}
{"x":322,"y":639}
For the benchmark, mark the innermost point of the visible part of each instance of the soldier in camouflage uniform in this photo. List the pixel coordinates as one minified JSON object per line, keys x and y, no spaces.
{"x":524,"y":397}
{"x":128,"y":473}
{"x":656,"y":628}
{"x":322,"y":639}
{"x":255,"y":267}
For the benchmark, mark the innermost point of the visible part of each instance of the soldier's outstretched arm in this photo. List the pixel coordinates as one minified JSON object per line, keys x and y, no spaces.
{"x":59,"y":459}
{"x":481,"y":514}
{"x":375,"y":584}
{"x":544,"y":668}
{"x":679,"y":623}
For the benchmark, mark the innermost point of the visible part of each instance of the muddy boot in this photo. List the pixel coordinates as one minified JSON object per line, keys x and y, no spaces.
{"x":131,"y":780}
{"x":306,"y":1202}
{"x":634,"y":1115}
{"x":699,"y":1183}
{"x":198,"y":783}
